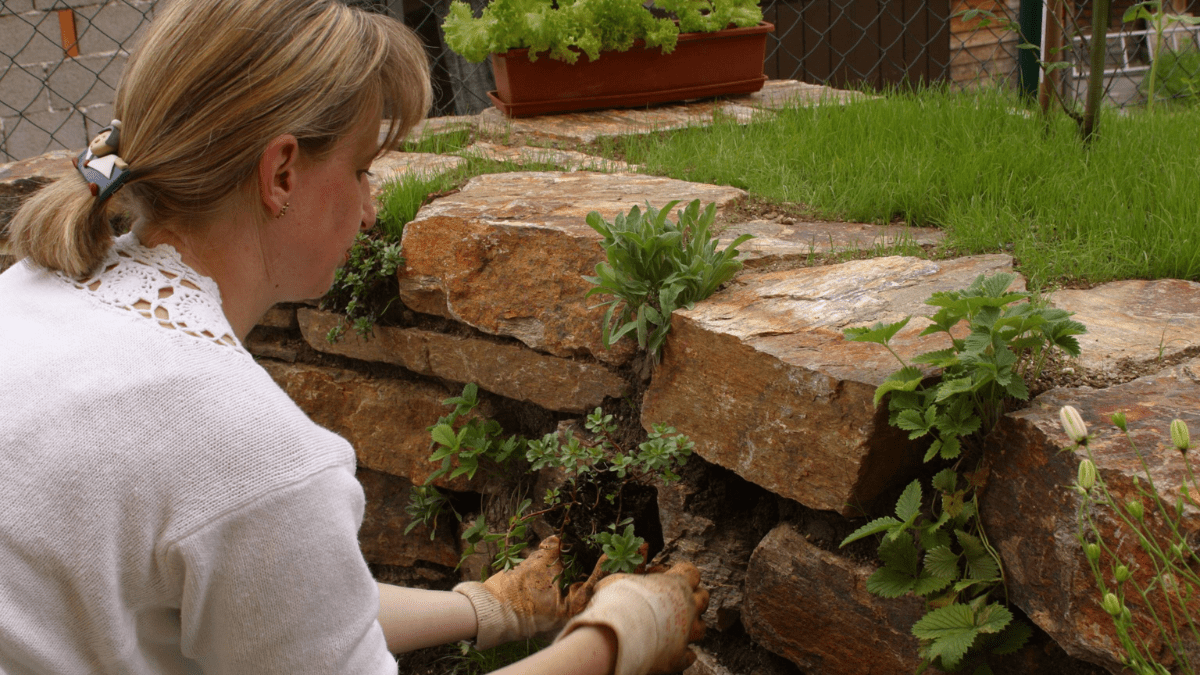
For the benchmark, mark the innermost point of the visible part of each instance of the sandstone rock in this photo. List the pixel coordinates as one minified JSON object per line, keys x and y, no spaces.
{"x":505,"y":369}
{"x":586,"y":127}
{"x":708,"y":520}
{"x":382,"y":536}
{"x":812,"y":607}
{"x":567,"y":159}
{"x":1031,"y":514}
{"x":1133,"y":322}
{"x":279,"y":316}
{"x":20,"y":179}
{"x":393,"y":166}
{"x":775,"y":241}
{"x":706,"y":664}
{"x":761,"y":378}
{"x":385,"y":420}
{"x":508,"y":252}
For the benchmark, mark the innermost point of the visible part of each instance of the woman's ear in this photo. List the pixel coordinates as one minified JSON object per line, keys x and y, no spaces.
{"x":277,"y":173}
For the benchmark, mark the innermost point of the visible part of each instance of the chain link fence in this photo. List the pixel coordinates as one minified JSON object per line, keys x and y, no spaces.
{"x":60,"y":60}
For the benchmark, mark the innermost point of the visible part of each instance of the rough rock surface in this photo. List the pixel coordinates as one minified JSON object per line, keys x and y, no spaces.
{"x":812,"y":607}
{"x":761,"y":378}
{"x":586,"y":127}
{"x":509,"y":370}
{"x":1134,"y":322}
{"x":567,"y":159}
{"x":393,"y":166}
{"x":779,"y":241}
{"x":382,"y":538}
{"x":384,"y":419}
{"x":1030,"y":513}
{"x":508,"y":252}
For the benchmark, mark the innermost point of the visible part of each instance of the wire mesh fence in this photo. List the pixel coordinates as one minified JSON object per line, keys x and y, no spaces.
{"x":60,"y":60}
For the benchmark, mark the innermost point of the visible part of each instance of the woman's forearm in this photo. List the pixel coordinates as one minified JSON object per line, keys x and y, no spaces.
{"x":588,"y":650}
{"x":413,"y":618}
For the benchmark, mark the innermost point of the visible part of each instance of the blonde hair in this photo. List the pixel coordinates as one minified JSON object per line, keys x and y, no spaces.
{"x":210,"y":85}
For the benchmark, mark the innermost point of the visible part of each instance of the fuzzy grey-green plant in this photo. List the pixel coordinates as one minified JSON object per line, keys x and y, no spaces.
{"x":655,"y":266}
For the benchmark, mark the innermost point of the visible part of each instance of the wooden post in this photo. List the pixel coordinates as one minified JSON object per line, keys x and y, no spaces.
{"x":1052,"y":52}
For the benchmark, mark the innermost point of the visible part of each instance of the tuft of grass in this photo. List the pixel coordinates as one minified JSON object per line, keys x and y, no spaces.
{"x":441,"y":144}
{"x":982,"y":166}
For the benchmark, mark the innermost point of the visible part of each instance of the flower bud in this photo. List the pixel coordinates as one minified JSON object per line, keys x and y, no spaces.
{"x":1092,"y":550}
{"x":1087,"y":474}
{"x":1134,"y":507}
{"x":1121,"y":574}
{"x":1072,"y":423}
{"x":1118,"y":418}
{"x":1180,"y":436}
{"x":1112,"y":605}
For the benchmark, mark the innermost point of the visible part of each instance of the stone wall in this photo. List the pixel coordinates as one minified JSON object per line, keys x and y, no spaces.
{"x":791,"y":453}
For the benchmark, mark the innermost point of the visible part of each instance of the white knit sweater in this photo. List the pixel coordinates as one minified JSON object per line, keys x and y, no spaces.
{"x":164,"y":507}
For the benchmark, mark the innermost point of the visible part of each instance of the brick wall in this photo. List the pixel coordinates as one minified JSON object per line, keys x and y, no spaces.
{"x":48,"y":99}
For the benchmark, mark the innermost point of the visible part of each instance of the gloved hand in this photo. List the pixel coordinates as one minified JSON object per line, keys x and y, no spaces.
{"x":525,"y":602}
{"x":654,"y":616}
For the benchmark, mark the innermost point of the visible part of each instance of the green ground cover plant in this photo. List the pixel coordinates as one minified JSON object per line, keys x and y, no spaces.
{"x":936,"y":547}
{"x":655,"y":266}
{"x":1169,"y":580}
{"x":981,"y":166}
{"x":595,"y":469}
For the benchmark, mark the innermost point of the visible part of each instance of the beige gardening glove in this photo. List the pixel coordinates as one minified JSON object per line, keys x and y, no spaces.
{"x":525,"y":602}
{"x":654,"y":616}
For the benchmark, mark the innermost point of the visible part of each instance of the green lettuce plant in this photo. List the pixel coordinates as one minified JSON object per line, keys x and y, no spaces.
{"x":567,"y":28}
{"x":655,"y":266}
{"x":936,"y":548}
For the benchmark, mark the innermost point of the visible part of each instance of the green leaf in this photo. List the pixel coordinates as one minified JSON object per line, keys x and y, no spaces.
{"x":874,"y":527}
{"x":1012,"y":638}
{"x":444,"y":434}
{"x":980,"y":563}
{"x":903,"y":380}
{"x":926,"y":584}
{"x":899,"y":553}
{"x":952,"y":630}
{"x":946,"y":480}
{"x":889,"y":583}
{"x":909,"y":503}
{"x":941,"y":562}
{"x":954,"y":387}
{"x":880,"y":333}
{"x":914,"y":421}
{"x":938,"y":359}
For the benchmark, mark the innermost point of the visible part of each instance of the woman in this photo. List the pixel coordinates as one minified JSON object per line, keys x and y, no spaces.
{"x":164,"y":507}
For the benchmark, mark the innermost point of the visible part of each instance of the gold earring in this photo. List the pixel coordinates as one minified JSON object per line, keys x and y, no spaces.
{"x":283,"y":210}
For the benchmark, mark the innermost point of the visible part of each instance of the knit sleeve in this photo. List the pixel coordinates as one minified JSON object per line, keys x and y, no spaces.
{"x":279,"y":586}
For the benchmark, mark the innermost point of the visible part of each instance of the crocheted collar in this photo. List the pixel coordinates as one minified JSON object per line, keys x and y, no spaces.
{"x":154,"y":283}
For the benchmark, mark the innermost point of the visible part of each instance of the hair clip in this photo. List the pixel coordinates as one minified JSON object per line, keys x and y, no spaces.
{"x":104,"y":171}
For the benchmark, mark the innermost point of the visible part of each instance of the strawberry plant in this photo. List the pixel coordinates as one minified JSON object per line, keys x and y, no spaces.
{"x":936,"y":548}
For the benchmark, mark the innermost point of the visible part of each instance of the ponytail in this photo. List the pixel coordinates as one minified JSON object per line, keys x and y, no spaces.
{"x":62,"y":227}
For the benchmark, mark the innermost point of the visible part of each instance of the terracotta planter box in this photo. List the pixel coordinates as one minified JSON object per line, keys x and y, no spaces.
{"x":702,"y":65}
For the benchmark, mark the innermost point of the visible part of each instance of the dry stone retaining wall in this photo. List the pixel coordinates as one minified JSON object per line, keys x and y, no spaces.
{"x":791,"y":449}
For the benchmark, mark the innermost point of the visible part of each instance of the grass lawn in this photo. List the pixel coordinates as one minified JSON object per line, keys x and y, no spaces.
{"x":979,"y":165}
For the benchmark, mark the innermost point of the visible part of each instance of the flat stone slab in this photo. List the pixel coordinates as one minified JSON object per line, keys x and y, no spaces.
{"x":778,"y":241}
{"x":1134,"y":323}
{"x":1031,"y":513}
{"x":394,"y":166}
{"x":586,"y":127}
{"x":507,"y":254}
{"x":812,"y":607}
{"x":513,"y":371}
{"x":527,"y":154}
{"x":385,"y":420}
{"x":762,"y":379}
{"x":382,"y":537}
